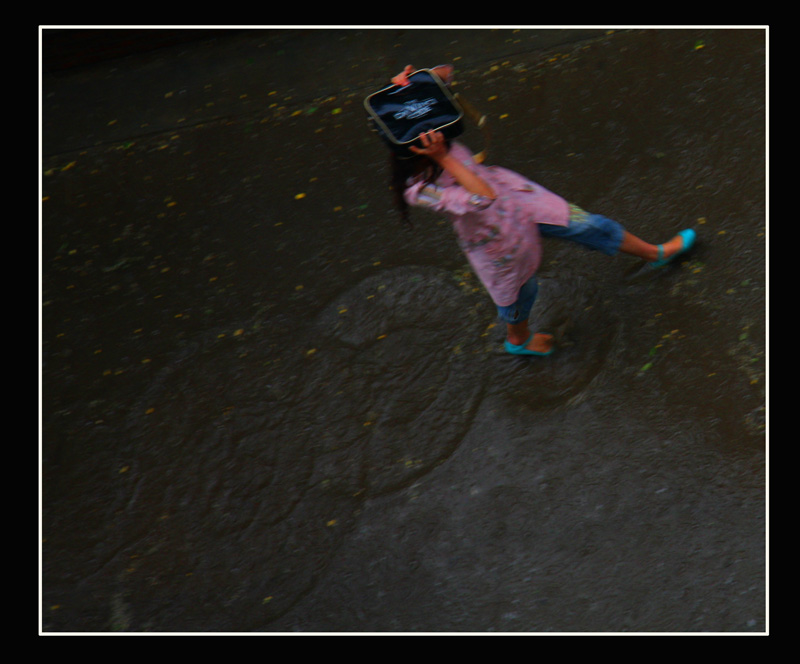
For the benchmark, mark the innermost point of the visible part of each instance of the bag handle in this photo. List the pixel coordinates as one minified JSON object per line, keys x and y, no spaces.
{"x":445,"y":74}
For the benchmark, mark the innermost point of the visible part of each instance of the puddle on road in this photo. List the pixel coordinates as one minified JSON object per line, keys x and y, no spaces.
{"x":250,"y":459}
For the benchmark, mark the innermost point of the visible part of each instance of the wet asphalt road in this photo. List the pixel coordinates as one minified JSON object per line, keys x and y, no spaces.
{"x":268,"y":408}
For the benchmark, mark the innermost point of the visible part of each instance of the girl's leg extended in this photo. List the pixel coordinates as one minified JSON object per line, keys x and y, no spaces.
{"x":634,"y":246}
{"x":600,"y":233}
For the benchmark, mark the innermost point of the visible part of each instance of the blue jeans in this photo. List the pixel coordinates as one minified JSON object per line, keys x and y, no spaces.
{"x":593,"y":231}
{"x":521,"y":309}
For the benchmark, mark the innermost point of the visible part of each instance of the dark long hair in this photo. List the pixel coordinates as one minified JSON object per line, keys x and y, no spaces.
{"x":401,"y":171}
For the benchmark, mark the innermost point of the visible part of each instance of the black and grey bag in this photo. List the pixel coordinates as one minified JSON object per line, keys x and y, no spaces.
{"x":400,"y":113}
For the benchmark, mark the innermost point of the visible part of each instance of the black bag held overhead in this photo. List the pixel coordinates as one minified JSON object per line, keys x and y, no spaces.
{"x":400,"y":113}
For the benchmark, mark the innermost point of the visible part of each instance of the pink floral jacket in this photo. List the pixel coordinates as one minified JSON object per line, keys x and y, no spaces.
{"x":500,"y":237}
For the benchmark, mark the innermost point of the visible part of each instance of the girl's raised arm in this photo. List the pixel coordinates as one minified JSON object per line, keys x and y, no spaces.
{"x":434,"y":147}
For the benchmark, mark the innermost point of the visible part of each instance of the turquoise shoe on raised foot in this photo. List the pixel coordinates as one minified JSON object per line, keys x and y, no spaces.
{"x":688,"y":236}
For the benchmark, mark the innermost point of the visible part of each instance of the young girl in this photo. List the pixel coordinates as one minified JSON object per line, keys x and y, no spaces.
{"x":499,"y":218}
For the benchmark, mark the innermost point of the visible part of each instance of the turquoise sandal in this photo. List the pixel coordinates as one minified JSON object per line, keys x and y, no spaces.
{"x":688,"y":236}
{"x":521,"y":350}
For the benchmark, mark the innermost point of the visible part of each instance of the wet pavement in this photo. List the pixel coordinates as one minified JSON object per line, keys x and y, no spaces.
{"x":268,"y":407}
